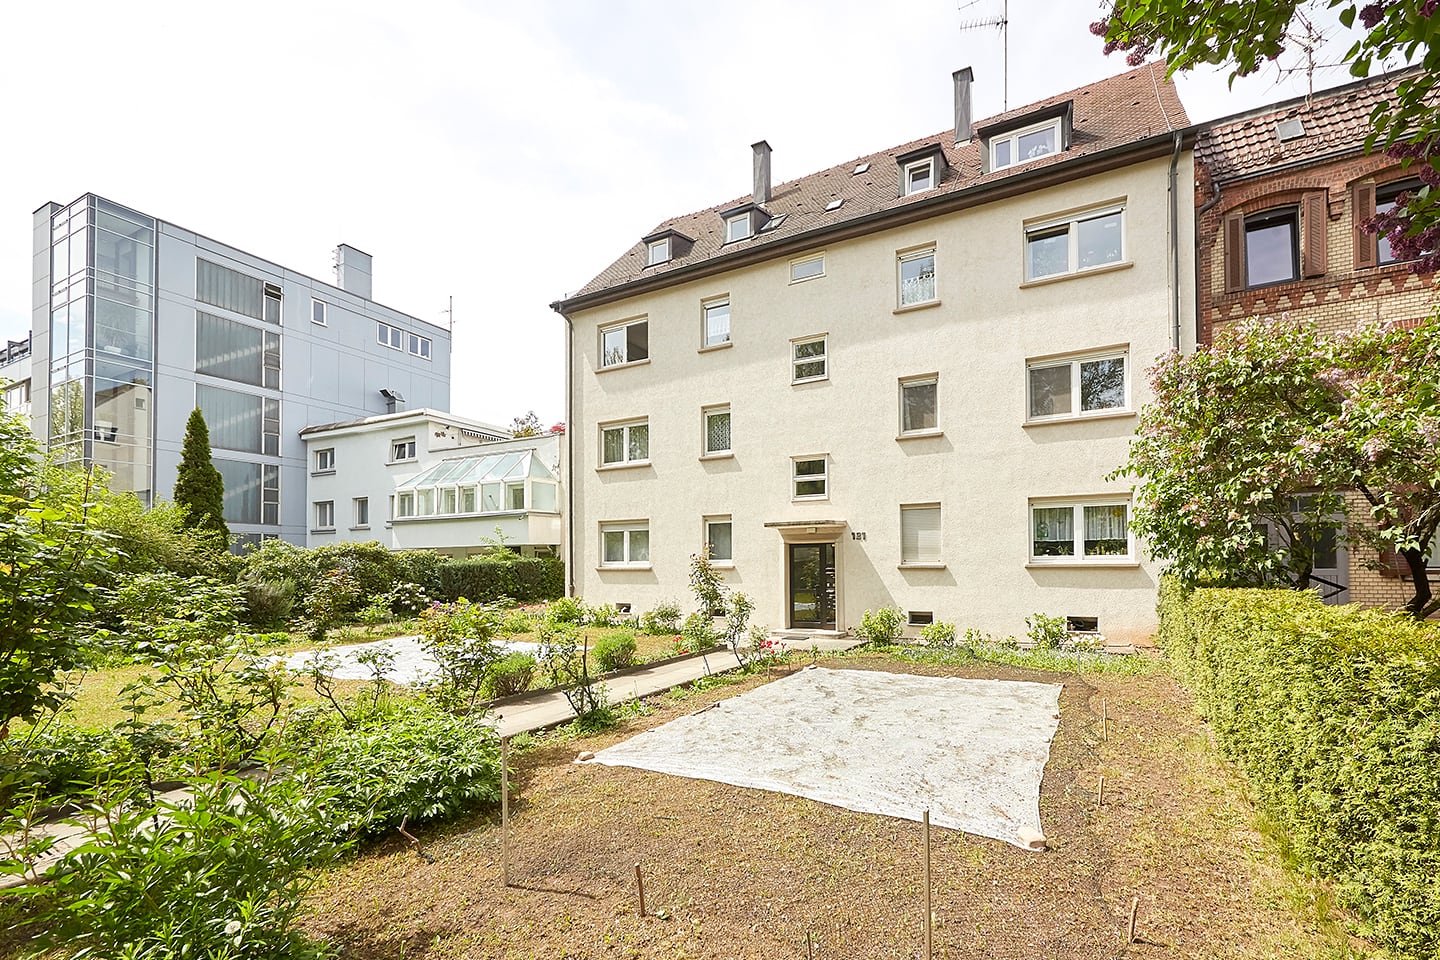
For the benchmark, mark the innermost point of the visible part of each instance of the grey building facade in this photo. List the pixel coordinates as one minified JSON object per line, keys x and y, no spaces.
{"x":137,"y":321}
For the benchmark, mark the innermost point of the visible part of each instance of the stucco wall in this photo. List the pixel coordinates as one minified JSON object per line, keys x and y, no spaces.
{"x":984,"y":467}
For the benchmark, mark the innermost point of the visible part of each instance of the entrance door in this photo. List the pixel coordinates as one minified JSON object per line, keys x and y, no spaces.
{"x":812,"y":586}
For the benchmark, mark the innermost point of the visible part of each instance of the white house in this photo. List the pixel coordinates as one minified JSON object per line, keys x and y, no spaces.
{"x":902,"y":380}
{"x":422,"y":479}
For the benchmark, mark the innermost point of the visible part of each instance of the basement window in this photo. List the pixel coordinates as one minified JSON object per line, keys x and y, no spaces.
{"x":1082,"y":624}
{"x":921,"y":618}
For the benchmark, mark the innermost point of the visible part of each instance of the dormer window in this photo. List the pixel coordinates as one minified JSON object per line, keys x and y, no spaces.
{"x":737,"y":228}
{"x":921,"y":170}
{"x":662,"y":246}
{"x":658,"y":251}
{"x":919,"y":176}
{"x":1025,"y":144}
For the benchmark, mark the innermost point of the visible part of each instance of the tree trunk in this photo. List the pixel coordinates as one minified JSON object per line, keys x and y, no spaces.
{"x":1417,"y":606}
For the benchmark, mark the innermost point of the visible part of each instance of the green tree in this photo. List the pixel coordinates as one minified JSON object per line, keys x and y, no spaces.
{"x":526,"y":426}
{"x":52,"y":558}
{"x":199,"y":488}
{"x":1256,"y":434}
{"x":1247,"y":34}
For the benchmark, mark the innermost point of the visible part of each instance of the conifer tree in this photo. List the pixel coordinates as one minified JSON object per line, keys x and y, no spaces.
{"x":199,"y":488}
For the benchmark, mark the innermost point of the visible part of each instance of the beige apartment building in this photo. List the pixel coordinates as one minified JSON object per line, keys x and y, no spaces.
{"x":904,"y":380}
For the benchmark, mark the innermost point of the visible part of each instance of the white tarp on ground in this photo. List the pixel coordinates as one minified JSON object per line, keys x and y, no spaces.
{"x":971,"y":751}
{"x":411,"y":664}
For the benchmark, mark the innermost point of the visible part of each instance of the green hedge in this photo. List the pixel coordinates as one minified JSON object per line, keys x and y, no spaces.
{"x":481,"y":580}
{"x":1334,"y":715}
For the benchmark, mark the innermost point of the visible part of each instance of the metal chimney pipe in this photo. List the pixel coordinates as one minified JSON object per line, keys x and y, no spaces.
{"x":761,"y":192}
{"x":964,"y":128}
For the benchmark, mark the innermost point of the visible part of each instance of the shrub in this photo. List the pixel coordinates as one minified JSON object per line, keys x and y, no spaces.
{"x":697,"y":633}
{"x":567,"y":666}
{"x":938,"y":634}
{"x":614,"y":651}
{"x":517,"y":621}
{"x":1334,"y":715}
{"x":605,"y":615}
{"x":325,"y":605}
{"x":1047,"y":632}
{"x":420,"y":567}
{"x":459,"y":637}
{"x":881,"y":626}
{"x":565,"y":610}
{"x":268,"y":603}
{"x":487,"y":579}
{"x":376,"y":612}
{"x":416,"y":761}
{"x":407,"y":599}
{"x":58,"y":760}
{"x":511,"y":674}
{"x":663,"y":618}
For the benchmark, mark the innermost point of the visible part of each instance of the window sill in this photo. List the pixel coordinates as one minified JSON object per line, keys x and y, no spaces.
{"x":621,"y":568}
{"x":810,"y":499}
{"x":801,"y":383}
{"x":921,"y":566}
{"x":921,"y":435}
{"x":622,"y":366}
{"x":723,"y":564}
{"x":727,"y":455}
{"x":322,"y":473}
{"x":711,"y":348}
{"x":627,"y":465}
{"x":818,"y":276}
{"x":1080,"y":418}
{"x":911,"y":307}
{"x":318,"y":530}
{"x":392,"y":463}
{"x":1087,"y":272}
{"x":1082,"y":564}
{"x":361,"y":526}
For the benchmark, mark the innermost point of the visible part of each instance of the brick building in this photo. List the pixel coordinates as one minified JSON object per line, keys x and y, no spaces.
{"x":1280,"y":194}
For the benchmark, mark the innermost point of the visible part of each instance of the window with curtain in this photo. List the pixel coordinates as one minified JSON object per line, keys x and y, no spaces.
{"x":229,"y":289}
{"x":1054,"y":531}
{"x":1080,"y":532}
{"x":1106,"y":531}
{"x":718,"y":538}
{"x":717,"y":431}
{"x":242,"y":490}
{"x":236,"y":420}
{"x":236,"y":351}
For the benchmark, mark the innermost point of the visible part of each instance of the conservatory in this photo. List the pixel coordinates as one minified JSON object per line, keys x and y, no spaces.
{"x":515,"y":492}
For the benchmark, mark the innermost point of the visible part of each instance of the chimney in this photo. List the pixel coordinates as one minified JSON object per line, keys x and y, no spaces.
{"x":964,"y":130}
{"x":352,"y":270}
{"x":762,"y":171}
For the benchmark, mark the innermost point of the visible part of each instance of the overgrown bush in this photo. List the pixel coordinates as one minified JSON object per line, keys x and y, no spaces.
{"x":415,"y":761}
{"x":1334,"y":715}
{"x":1047,"y":632}
{"x":487,"y":579}
{"x":460,"y":638}
{"x":614,"y":651}
{"x":511,"y":674}
{"x":420,"y":567}
{"x":407,"y":599}
{"x":663,"y":618}
{"x":268,"y":603}
{"x":565,"y":610}
{"x":938,"y":634}
{"x":57,"y":760}
{"x":881,"y":626}
{"x":566,"y":665}
{"x":517,"y":621}
{"x":605,"y":615}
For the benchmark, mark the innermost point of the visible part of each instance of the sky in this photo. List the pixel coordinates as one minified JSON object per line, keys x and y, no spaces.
{"x":498,"y":153}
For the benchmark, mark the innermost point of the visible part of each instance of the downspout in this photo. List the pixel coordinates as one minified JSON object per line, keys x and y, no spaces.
{"x":569,"y":458}
{"x":1175,"y":244}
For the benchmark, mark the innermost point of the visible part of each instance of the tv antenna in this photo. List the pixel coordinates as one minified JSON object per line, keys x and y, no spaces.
{"x":1003,"y":22}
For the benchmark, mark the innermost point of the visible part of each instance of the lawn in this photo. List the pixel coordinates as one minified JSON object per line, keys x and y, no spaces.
{"x":734,"y":872}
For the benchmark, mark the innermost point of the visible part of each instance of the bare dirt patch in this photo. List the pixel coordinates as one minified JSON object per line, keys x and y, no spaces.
{"x":745,"y":873}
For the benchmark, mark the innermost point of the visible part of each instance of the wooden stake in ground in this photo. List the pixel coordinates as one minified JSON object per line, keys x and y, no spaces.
{"x":640,"y":889}
{"x":505,"y":809}
{"x":928,"y":951}
{"x":1134,"y":910}
{"x":809,"y":947}
{"x":1104,"y":720}
{"x":1100,"y":793}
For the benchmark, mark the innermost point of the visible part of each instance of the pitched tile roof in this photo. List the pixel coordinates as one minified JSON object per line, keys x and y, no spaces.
{"x":1333,"y":120}
{"x":1111,"y":113}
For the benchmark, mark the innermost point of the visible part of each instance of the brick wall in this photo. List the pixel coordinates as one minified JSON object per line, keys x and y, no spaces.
{"x":1345,"y":295}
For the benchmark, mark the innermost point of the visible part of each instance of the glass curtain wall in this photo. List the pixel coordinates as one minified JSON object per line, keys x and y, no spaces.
{"x":102,"y":329}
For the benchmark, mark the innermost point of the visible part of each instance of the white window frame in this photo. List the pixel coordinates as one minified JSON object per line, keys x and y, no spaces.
{"x":823,"y":359}
{"x":921,"y":380}
{"x":1078,"y":557}
{"x":624,"y":325}
{"x":714,"y":303}
{"x":796,"y":478}
{"x":707,"y":541}
{"x":732,"y":234}
{"x":323,"y":312}
{"x":419,"y":346}
{"x":360,"y":512}
{"x":624,"y":426}
{"x":389,"y":336}
{"x":657,"y":252}
{"x":396,"y":445}
{"x":626,"y":529}
{"x":1074,"y":362}
{"x":800,"y":262}
{"x":903,"y":257}
{"x":919,"y":561}
{"x":1071,"y":223}
{"x":325,"y":460}
{"x":405,"y":505}
{"x":1013,"y":139}
{"x":324,"y":514}
{"x":915,"y":165}
{"x":705,"y":414}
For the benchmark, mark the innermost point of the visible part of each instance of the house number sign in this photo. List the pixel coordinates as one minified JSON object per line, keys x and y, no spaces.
{"x":857,"y":535}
